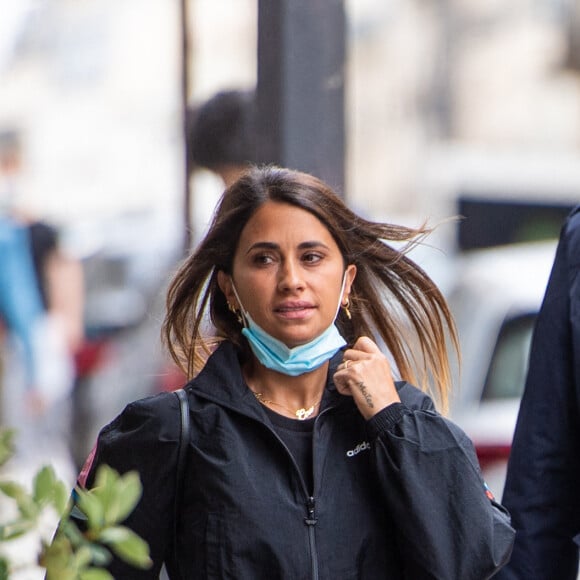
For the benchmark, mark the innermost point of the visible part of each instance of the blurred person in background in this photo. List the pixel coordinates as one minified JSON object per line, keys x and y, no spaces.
{"x":306,"y":458}
{"x":221,"y":134}
{"x":43,"y":297}
{"x":20,"y":308}
{"x":542,"y":489}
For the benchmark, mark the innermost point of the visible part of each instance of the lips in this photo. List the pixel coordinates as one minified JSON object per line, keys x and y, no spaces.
{"x":296,"y":310}
{"x":289,"y":307}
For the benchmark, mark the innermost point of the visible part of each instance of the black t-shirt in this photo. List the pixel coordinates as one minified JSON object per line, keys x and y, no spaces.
{"x":297,"y":435}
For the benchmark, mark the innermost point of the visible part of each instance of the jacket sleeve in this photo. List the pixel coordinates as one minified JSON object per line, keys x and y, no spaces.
{"x":543,"y":480}
{"x":449,"y":524}
{"x":145,"y":438}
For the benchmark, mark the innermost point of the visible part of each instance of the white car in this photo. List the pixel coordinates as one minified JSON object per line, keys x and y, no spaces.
{"x":495,"y":299}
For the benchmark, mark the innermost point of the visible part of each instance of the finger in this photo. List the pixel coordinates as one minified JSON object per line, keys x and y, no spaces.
{"x":362,"y":349}
{"x":341,"y":383}
{"x":365,"y":344}
{"x":347,"y":362}
{"x":351,"y":356}
{"x":343,"y":389}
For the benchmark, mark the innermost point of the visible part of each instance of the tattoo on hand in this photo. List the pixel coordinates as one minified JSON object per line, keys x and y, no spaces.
{"x":365,"y":394}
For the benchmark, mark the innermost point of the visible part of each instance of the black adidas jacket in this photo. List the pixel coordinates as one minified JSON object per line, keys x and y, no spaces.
{"x":396,"y":497}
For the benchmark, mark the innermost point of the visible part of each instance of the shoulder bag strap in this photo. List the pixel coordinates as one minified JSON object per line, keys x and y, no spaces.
{"x":182,"y":452}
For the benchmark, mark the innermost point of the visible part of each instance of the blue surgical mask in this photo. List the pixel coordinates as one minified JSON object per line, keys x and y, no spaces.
{"x":275,"y":355}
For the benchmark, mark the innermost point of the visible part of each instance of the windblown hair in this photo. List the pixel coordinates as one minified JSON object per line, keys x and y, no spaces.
{"x":392,"y":299}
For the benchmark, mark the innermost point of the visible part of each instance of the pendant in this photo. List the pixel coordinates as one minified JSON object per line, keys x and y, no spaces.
{"x":302,"y":414}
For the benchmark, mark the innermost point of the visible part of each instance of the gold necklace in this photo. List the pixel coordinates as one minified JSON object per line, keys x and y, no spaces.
{"x":301,"y":414}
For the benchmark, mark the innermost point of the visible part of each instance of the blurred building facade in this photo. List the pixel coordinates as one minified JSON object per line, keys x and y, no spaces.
{"x":456,"y":96}
{"x":441,"y":96}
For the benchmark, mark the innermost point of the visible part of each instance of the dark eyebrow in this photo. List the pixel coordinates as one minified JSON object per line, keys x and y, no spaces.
{"x":312,"y":244}
{"x":263,"y":246}
{"x":273,"y":246}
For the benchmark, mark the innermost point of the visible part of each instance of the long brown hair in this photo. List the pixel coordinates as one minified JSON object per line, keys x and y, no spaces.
{"x":392,"y":298}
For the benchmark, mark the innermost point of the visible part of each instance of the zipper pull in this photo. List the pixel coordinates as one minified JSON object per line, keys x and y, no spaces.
{"x":310,"y":519}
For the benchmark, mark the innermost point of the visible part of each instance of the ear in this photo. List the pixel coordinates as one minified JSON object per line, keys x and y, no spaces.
{"x":226,"y":286}
{"x":350,"y":275}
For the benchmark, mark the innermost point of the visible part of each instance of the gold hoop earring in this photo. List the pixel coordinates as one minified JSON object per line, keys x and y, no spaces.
{"x":233,"y":310}
{"x":346,"y":310}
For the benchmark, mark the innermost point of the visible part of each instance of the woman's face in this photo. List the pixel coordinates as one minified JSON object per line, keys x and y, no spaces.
{"x":288,"y":273}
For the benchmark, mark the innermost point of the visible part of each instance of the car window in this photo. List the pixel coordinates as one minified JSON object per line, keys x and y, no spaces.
{"x":509,"y":364}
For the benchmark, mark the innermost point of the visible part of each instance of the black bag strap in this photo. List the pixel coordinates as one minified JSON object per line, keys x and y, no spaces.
{"x":182,"y":452}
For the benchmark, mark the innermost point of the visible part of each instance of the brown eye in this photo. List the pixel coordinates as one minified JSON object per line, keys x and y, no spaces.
{"x":312,"y":257}
{"x":262,"y":259}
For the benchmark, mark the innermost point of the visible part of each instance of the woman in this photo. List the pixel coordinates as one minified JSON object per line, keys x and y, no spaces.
{"x":306,"y":459}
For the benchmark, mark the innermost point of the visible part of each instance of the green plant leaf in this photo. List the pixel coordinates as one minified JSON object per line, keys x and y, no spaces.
{"x":100,"y":555}
{"x":43,"y":485}
{"x":95,"y":574}
{"x":118,"y":494}
{"x":83,"y":557}
{"x":127,"y":492}
{"x":57,"y":559}
{"x":106,"y":481}
{"x":6,"y":445}
{"x":92,"y":506}
{"x":61,"y":574}
{"x":28,"y":508}
{"x":47,"y":489}
{"x":105,"y":476}
{"x":70,"y":531}
{"x":127,"y":545}
{"x":61,"y":498}
{"x":15,"y":529}
{"x":26,"y":505}
{"x":12,"y":489}
{"x":3,"y":569}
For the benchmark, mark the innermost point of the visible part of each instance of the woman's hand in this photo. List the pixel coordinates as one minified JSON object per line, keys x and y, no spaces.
{"x":365,"y":375}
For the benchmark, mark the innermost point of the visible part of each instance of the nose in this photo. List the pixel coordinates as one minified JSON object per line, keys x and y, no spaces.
{"x":290,"y":276}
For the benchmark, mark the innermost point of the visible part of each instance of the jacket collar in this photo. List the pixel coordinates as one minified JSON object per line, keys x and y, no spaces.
{"x":222,"y":382}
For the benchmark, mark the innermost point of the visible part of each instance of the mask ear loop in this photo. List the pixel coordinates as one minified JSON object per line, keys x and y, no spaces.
{"x":243,"y":314}
{"x":340,"y":296}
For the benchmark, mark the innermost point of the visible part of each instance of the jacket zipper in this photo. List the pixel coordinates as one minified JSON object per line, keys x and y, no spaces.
{"x":310,"y":520}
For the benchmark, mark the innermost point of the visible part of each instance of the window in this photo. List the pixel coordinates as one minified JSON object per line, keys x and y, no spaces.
{"x":509,"y":363}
